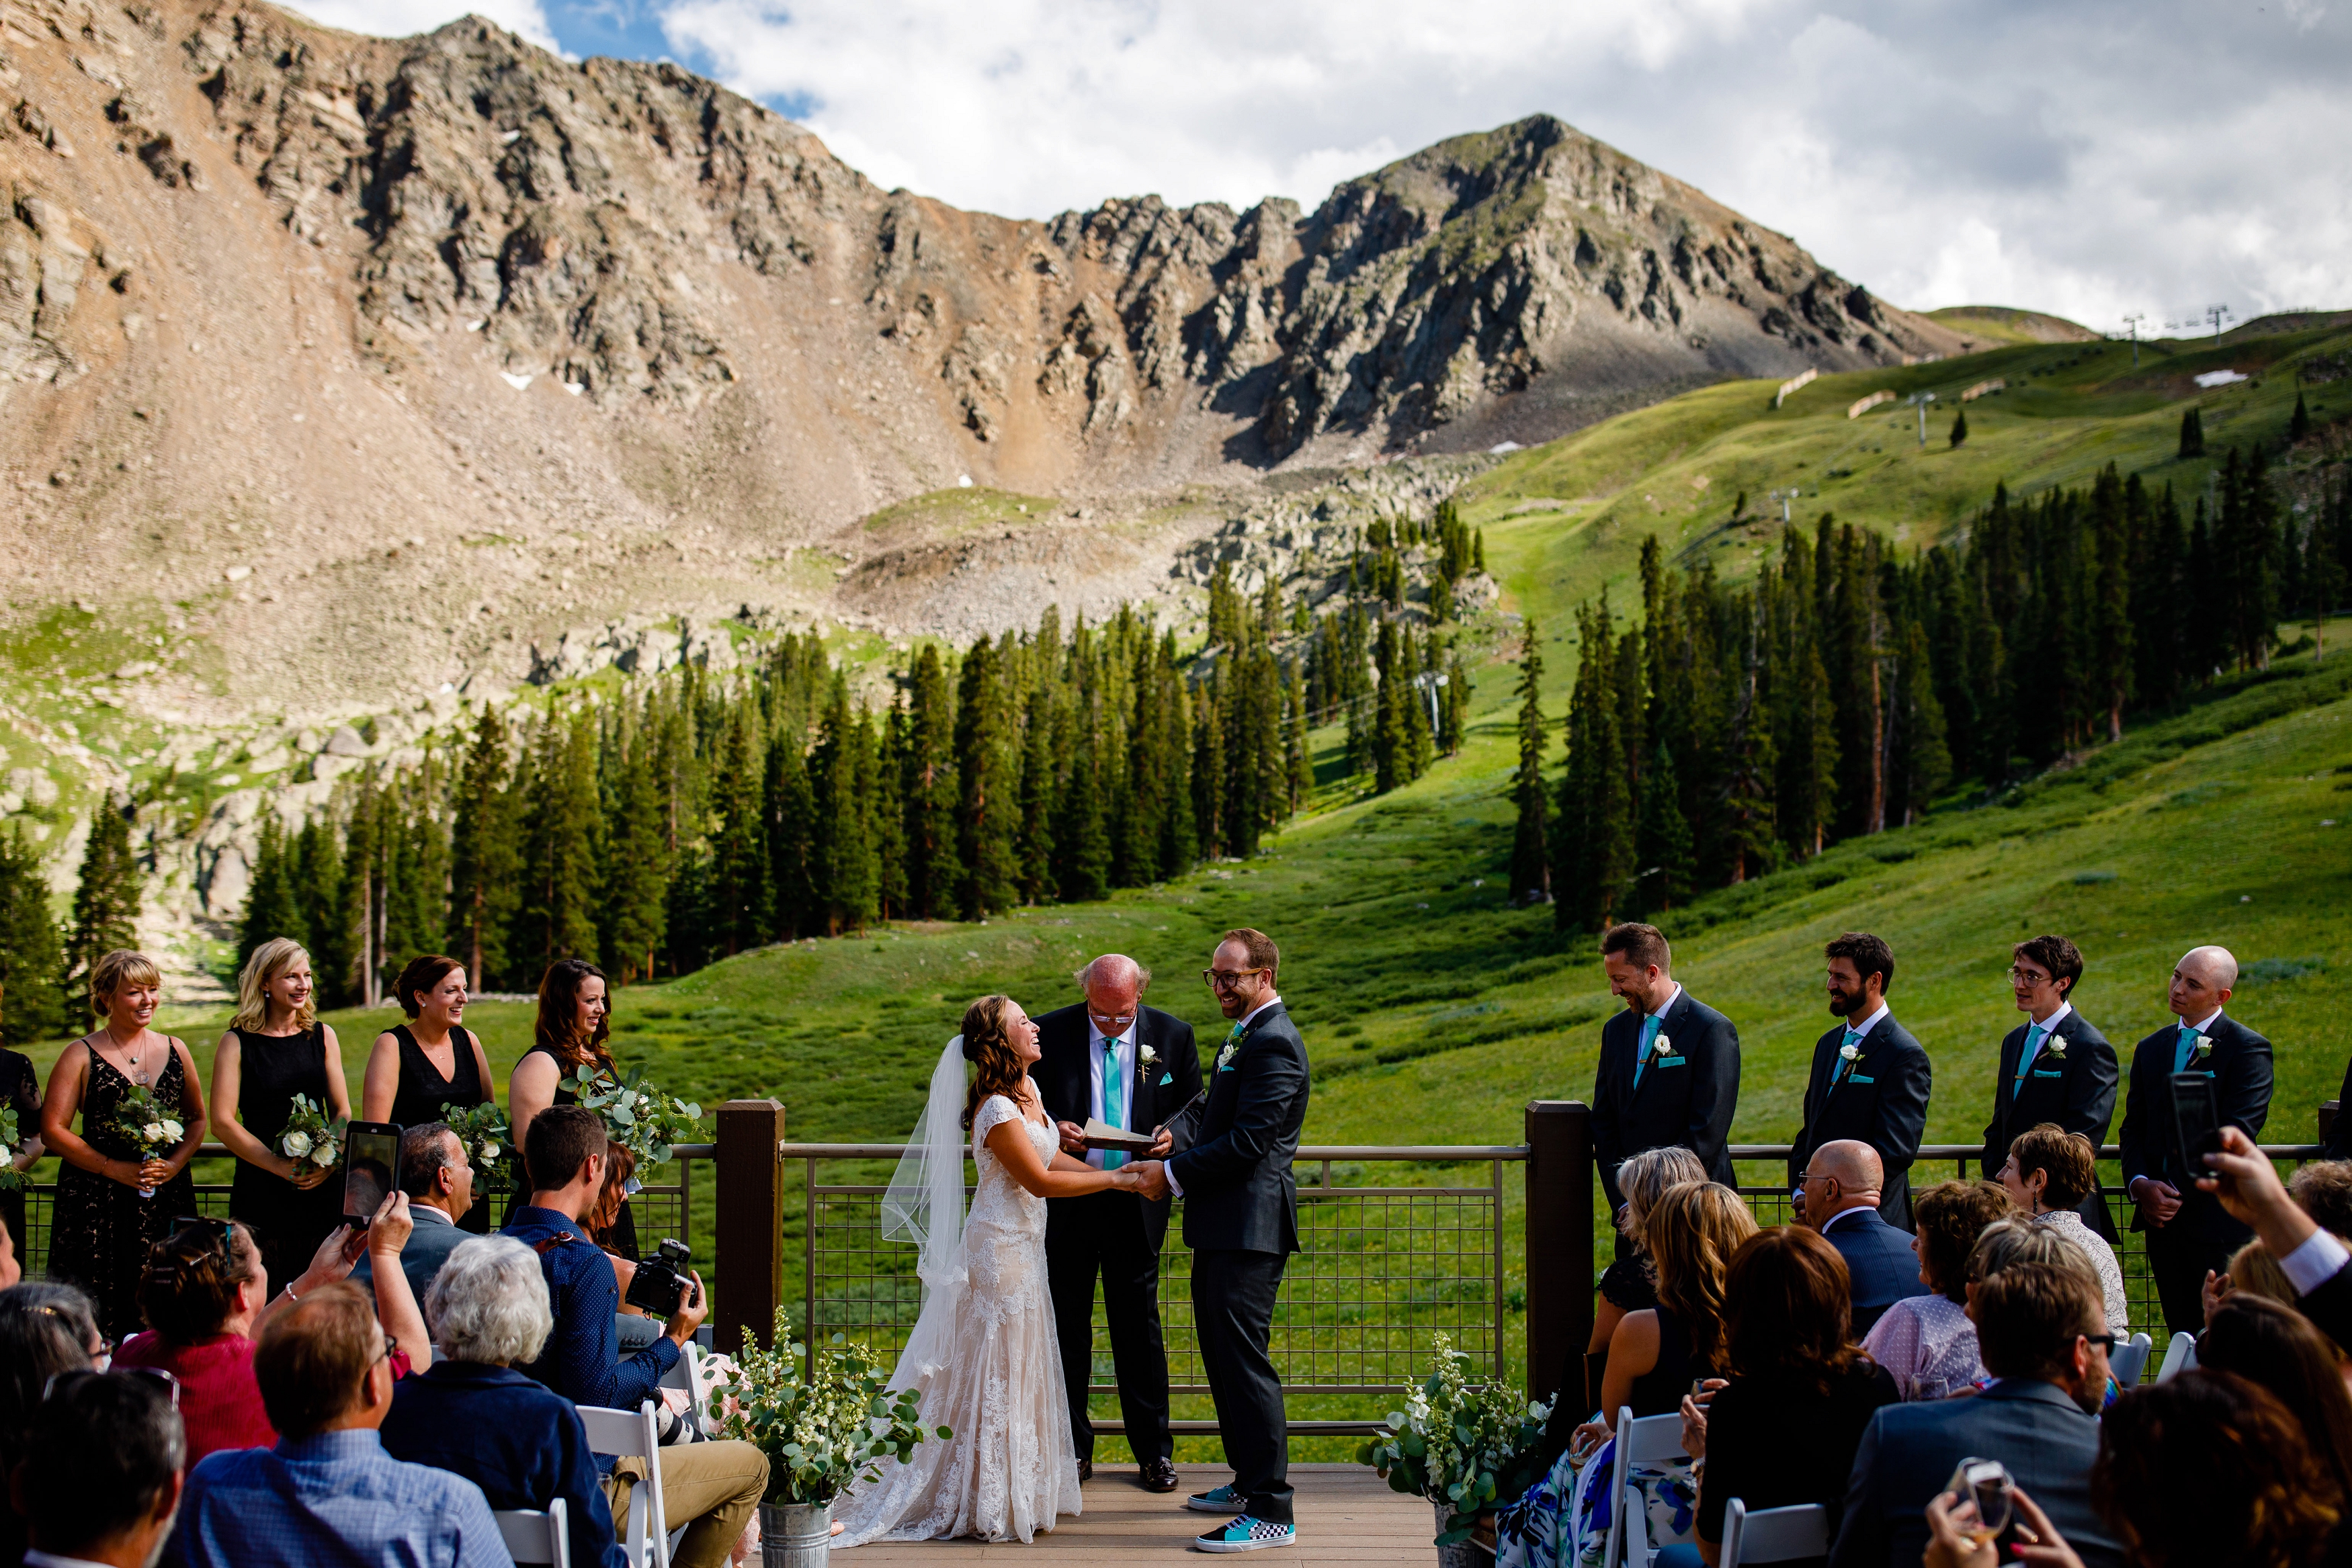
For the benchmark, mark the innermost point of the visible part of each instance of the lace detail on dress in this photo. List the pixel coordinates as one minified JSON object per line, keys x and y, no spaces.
{"x":988,"y":1367}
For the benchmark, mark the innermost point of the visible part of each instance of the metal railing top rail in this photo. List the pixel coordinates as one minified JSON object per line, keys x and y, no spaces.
{"x":1431,"y":1154}
{"x":1968,"y":1151}
{"x":677,"y":1151}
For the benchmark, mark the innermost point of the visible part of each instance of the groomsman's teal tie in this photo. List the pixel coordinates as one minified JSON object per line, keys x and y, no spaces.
{"x":2034,"y":1033}
{"x":1641,"y":1053}
{"x":1114,"y":1101}
{"x":2187,"y":1049}
{"x":1845,"y":1067}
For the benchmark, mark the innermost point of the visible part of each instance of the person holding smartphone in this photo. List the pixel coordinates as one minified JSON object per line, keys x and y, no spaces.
{"x":2190,"y":1234}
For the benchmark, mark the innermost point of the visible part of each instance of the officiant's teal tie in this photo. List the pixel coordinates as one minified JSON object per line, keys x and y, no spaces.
{"x":1114,"y":1101}
{"x":2034,"y":1033}
{"x":1641,"y":1056}
{"x":2187,"y":1049}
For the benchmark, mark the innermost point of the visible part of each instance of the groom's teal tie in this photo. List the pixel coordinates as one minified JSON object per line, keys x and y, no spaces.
{"x":1642,"y":1052}
{"x":1114,"y":1101}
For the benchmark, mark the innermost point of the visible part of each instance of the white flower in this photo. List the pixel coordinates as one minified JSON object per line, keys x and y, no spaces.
{"x":1146,"y":1055}
{"x":2054,"y":1048}
{"x":323,"y":1155}
{"x":296,"y":1145}
{"x":153,"y":1132}
{"x":172,"y":1130}
{"x":489,"y":1150}
{"x":1662,"y":1046}
{"x":1850,"y":1052}
{"x":2204,"y":1046}
{"x":1226,"y":1055}
{"x":6,"y":1154}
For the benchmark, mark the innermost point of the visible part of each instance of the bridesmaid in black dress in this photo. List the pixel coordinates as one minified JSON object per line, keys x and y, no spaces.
{"x":20,"y":1086}
{"x":275,"y":1049}
{"x":430,"y":1061}
{"x":575,"y":1011}
{"x":100,"y":1227}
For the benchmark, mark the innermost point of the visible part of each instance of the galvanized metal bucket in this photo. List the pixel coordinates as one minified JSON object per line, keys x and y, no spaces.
{"x":795,"y":1535}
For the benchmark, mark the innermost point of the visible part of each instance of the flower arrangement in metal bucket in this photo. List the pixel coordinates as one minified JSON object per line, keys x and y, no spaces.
{"x":824,"y":1420}
{"x":1464,"y":1445}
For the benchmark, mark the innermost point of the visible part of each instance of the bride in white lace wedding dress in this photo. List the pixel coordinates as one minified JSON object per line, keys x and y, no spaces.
{"x":983,"y":1354}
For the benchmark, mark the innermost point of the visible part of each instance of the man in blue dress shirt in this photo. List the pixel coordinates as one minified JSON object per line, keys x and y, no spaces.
{"x":328,"y":1492}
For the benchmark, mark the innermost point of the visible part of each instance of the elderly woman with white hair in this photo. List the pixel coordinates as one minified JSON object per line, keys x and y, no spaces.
{"x":474,"y":1416}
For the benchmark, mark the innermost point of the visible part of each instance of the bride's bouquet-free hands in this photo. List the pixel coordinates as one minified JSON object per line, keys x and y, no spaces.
{"x":637,"y":1117}
{"x":140,"y":1121}
{"x":823,"y":1429}
{"x":312,"y":1142}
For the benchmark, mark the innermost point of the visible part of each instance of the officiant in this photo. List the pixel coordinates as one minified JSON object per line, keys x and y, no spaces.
{"x":1112,"y":1060}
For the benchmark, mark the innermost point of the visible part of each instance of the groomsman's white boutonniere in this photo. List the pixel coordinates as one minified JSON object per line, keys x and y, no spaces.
{"x":2054,"y":1048}
{"x":1662,"y":1047}
{"x":2204,"y":1046}
{"x":1849,"y":1052}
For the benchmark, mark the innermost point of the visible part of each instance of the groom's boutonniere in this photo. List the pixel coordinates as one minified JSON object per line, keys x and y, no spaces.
{"x":1225,"y":1057}
{"x":2204,"y":1046}
{"x":1661,"y":1047}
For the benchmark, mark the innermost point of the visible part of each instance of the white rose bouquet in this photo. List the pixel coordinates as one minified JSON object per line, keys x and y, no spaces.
{"x":143,"y":1122}
{"x":11,"y":1178}
{"x":309,"y":1139}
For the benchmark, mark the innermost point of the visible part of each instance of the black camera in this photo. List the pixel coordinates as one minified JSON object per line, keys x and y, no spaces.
{"x":660,"y":1286}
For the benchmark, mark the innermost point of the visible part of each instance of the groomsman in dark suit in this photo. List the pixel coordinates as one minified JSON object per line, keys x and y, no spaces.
{"x":1870,"y":1078}
{"x":1114,"y":1059}
{"x":2055,"y":1067}
{"x":2188,"y":1232}
{"x":1669,"y":1070}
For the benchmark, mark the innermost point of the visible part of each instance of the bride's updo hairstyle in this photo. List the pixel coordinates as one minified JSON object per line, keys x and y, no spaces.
{"x":988,"y":1046}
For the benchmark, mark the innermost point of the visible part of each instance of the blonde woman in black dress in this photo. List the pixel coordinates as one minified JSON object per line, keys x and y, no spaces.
{"x":102,"y":1227}
{"x":431,"y":1062}
{"x":275,"y":1049}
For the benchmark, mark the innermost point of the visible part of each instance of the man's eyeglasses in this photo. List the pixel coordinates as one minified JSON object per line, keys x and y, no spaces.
{"x":65,"y":1380}
{"x":1227,"y":979}
{"x":2028,"y":977}
{"x":1111,"y":1023}
{"x":2105,"y":1341}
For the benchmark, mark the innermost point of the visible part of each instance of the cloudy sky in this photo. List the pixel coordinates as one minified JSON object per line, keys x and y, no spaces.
{"x":2092,"y":158}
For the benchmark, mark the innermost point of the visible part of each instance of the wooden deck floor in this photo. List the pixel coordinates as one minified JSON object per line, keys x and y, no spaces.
{"x":1346,"y":1514}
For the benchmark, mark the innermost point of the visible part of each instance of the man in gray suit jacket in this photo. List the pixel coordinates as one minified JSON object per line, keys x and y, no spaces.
{"x":2041,"y":1332}
{"x":439,"y":1182}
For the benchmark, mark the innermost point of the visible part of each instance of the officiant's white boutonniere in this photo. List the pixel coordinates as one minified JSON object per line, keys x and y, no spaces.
{"x":1662,"y":1047}
{"x":2204,"y":1046}
{"x":1146,"y":1056}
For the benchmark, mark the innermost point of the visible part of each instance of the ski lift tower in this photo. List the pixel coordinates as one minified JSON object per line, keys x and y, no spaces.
{"x":2215,"y":315}
{"x":2131,"y":325}
{"x":1920,"y":402}
{"x":1784,"y":497}
{"x":1429,"y":681}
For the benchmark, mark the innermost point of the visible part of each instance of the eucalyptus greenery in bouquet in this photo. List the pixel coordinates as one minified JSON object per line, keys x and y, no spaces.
{"x":1466,"y":1447}
{"x":637,"y":1117}
{"x":140,"y":1121}
{"x":487,"y":1139}
{"x":822,"y":1427}
{"x":309,"y":1139}
{"x":11,"y":1178}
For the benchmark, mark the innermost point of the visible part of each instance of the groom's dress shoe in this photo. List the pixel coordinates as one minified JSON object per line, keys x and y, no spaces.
{"x":1158,"y":1475}
{"x":1086,"y":1469}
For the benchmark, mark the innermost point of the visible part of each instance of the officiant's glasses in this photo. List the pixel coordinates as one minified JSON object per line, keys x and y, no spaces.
{"x":1227,"y":979}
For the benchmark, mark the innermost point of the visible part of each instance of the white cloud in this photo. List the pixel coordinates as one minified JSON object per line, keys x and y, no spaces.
{"x":401,"y":18}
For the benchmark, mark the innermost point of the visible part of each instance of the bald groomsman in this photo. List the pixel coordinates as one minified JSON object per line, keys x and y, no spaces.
{"x":2188,"y":1232}
{"x":1870,"y":1078}
{"x":1669,"y":1068}
{"x":2053,"y":1068}
{"x":1111,"y":1058}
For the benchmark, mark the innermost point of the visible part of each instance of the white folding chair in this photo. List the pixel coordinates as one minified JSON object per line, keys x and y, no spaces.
{"x":533,"y":1537}
{"x":625,"y":1435}
{"x":2129,"y":1360}
{"x":1773,"y":1534}
{"x":2178,"y":1357}
{"x":1650,"y":1440}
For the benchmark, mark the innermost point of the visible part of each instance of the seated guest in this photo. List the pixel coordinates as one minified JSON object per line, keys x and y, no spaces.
{"x":715,"y":1486}
{"x":2048,"y":1174}
{"x":2043,"y":1334}
{"x":328,"y":1493}
{"x":439,"y":1182}
{"x":45,"y":1330}
{"x":103,"y":1474}
{"x":1793,"y":1370}
{"x":2316,"y":1262}
{"x":2277,"y":1347}
{"x":1627,"y":1285}
{"x":2252,"y":1271}
{"x":1929,"y":1343}
{"x":2208,"y":1467}
{"x":475,"y":1415}
{"x":2323,"y":1189}
{"x":1839,"y":1196}
{"x":205,"y":1296}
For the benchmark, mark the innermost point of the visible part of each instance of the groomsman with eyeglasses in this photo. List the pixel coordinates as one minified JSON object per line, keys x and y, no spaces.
{"x":1669,"y":1068}
{"x":2054,"y":1068}
{"x":1870,"y":1078}
{"x":2188,"y":1233}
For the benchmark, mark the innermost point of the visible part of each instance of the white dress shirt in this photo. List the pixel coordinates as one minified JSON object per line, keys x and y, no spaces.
{"x":1121,"y":1053}
{"x":1865,"y":1025}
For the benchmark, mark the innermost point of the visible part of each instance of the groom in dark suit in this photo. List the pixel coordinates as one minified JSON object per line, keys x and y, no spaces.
{"x":1113,"y":1060}
{"x":1870,"y":1078}
{"x":2188,"y":1232}
{"x":1241,"y":1220}
{"x":1669,"y":1071}
{"x":2055,"y":1067}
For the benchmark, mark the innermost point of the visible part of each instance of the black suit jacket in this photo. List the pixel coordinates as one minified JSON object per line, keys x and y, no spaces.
{"x":1236,"y":1145}
{"x":1881,"y":1102}
{"x":1686,"y":1097}
{"x":1064,"y":1075}
{"x":2329,"y":1306}
{"x":2240,"y":1065}
{"x":2338,"y":1144}
{"x":1879,"y":1263}
{"x":2076,"y":1089}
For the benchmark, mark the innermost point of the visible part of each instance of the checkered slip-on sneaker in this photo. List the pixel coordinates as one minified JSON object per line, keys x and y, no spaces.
{"x":1245,"y":1533}
{"x":1217,"y":1500}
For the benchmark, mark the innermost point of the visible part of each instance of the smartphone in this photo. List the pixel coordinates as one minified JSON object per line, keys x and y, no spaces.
{"x":371,"y":1159}
{"x":2196,"y":1122}
{"x":1983,"y":1488}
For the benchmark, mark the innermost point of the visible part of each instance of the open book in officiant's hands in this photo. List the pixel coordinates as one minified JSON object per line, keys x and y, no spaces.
{"x":1102,"y":1134}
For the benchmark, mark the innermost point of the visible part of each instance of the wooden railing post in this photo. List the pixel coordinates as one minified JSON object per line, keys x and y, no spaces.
{"x":1560,"y":1246}
{"x":2329,"y":1110}
{"x":750,"y":1231}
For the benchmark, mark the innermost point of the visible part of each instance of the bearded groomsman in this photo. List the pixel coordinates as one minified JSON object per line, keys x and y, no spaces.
{"x":2188,"y":1232}
{"x":1669,"y":1068}
{"x":1870,"y":1077}
{"x":1112,"y":1059}
{"x":2055,"y":1068}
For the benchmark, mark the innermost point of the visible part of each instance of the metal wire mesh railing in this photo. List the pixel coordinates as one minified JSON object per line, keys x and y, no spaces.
{"x":1396,"y":1245}
{"x":1771,"y":1200}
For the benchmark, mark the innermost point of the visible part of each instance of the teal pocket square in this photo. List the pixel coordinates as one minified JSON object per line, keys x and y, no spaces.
{"x":1861,"y":1078}
{"x":1672,"y":1061}
{"x":2038,"y":1072}
{"x":1166,"y":1079}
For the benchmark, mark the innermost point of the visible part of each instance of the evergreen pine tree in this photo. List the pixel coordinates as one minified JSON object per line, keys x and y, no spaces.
{"x":988,"y":811}
{"x":319,"y":890}
{"x":2192,"y":434}
{"x":106,"y":898}
{"x":1531,"y":855}
{"x":1082,"y":843}
{"x":559,"y":862}
{"x":271,"y":908}
{"x":928,"y":783}
{"x":2298,"y":424}
{"x":1479,"y":552}
{"x":1959,"y":427}
{"x":2111,"y":582}
{"x":482,"y":852}
{"x":889,"y":816}
{"x":1393,"y":734}
{"x":842,"y":848}
{"x":638,"y":865}
{"x":1209,"y":767}
{"x":788,"y":827}
{"x":32,"y":1005}
{"x":1663,"y":850}
{"x":358,"y":912}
